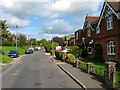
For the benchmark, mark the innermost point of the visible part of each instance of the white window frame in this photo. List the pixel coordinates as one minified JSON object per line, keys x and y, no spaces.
{"x":77,"y":35}
{"x":111,"y":48}
{"x":88,"y":32}
{"x":109,"y":22}
{"x":88,"y":50}
{"x":97,"y":30}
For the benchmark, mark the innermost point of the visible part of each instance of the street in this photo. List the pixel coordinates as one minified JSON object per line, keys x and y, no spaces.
{"x":36,"y":71}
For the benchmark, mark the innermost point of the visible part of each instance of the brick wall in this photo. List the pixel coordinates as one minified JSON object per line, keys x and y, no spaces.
{"x":107,"y":35}
{"x":76,"y":38}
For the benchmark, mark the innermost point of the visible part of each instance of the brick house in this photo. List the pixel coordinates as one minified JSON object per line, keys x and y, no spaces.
{"x":77,"y":36}
{"x":104,"y":32}
{"x":88,"y":29}
{"x":69,"y":40}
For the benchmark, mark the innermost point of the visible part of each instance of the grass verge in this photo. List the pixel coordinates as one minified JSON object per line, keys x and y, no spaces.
{"x":5,"y":59}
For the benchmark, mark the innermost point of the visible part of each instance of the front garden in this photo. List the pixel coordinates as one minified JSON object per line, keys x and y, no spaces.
{"x":98,"y":67}
{"x":71,"y":54}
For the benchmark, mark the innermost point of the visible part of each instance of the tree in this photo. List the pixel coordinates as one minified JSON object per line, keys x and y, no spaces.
{"x":58,"y":40}
{"x":43,"y":41}
{"x":47,"y":46}
{"x":22,"y":40}
{"x":4,"y":27}
{"x":33,"y":41}
{"x":6,"y":35}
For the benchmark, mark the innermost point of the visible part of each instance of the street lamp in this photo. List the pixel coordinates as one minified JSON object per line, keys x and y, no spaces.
{"x":28,"y":40}
{"x":16,"y":36}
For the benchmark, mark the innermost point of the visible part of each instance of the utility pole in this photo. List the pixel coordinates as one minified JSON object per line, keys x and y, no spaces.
{"x":16,"y":36}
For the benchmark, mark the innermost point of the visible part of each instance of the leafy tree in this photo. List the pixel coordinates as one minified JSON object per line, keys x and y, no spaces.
{"x":33,"y":41}
{"x":58,"y":40}
{"x":54,"y":46}
{"x":4,"y":27}
{"x":22,"y":40}
{"x":47,"y":46}
{"x":43,"y":41}
{"x":6,"y":36}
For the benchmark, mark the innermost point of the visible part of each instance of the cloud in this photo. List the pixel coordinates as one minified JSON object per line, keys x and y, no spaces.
{"x":58,"y":26}
{"x":52,"y":13}
{"x":48,"y":9}
{"x":12,"y":21}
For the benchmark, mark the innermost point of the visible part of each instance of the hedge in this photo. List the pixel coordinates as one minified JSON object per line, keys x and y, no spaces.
{"x":58,"y":55}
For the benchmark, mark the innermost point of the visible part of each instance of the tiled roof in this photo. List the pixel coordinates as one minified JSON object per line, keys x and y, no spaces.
{"x":92,"y":19}
{"x":78,"y":30}
{"x":115,"y":4}
{"x":68,"y":37}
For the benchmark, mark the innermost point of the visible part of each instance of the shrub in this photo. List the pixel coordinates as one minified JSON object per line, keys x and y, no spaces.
{"x":54,"y":46}
{"x":98,"y":53}
{"x":58,"y":55}
{"x":74,"y":50}
{"x":77,"y":52}
{"x":47,"y":46}
{"x":71,"y":58}
{"x":83,"y":53}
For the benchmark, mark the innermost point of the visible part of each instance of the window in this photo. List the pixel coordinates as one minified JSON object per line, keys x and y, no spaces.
{"x":89,"y":49}
{"x":111,"y":48}
{"x":109,"y":22}
{"x":88,"y":32}
{"x":97,"y":30}
{"x":76,"y":35}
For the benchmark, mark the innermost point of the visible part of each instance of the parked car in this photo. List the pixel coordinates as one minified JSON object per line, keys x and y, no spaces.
{"x":39,"y":48}
{"x":29,"y":51}
{"x":13,"y":53}
{"x":36,"y":49}
{"x":31,"y":48}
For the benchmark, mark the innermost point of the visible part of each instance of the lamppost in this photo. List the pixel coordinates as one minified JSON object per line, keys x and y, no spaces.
{"x":28,"y":40}
{"x":16,"y":36}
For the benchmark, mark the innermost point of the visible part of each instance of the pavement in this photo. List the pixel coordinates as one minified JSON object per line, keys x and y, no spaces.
{"x":87,"y":81}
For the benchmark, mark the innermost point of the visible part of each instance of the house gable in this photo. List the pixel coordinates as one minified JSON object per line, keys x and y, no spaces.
{"x":87,"y":24}
{"x":107,"y":11}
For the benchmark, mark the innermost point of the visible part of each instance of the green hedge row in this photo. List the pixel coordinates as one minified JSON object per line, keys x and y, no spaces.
{"x":58,"y":55}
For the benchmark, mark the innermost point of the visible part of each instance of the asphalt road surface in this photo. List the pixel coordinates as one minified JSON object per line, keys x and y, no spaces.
{"x":36,"y":71}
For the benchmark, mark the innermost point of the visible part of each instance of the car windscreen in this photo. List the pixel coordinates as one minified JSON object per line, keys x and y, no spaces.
{"x":12,"y":52}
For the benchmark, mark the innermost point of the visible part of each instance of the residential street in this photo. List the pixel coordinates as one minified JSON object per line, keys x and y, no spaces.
{"x":36,"y":71}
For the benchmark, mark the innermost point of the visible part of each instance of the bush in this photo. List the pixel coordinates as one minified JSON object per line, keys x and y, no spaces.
{"x":83,"y":53}
{"x":99,"y":53}
{"x":58,"y":55}
{"x":47,"y":46}
{"x":77,"y":52}
{"x":5,"y":59}
{"x":54,"y":46}
{"x":74,"y":50}
{"x":71,"y":58}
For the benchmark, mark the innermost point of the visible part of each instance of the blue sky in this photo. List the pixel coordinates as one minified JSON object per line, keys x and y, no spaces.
{"x":38,"y":17}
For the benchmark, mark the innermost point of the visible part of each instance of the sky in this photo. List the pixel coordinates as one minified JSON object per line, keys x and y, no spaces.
{"x":41,"y":18}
